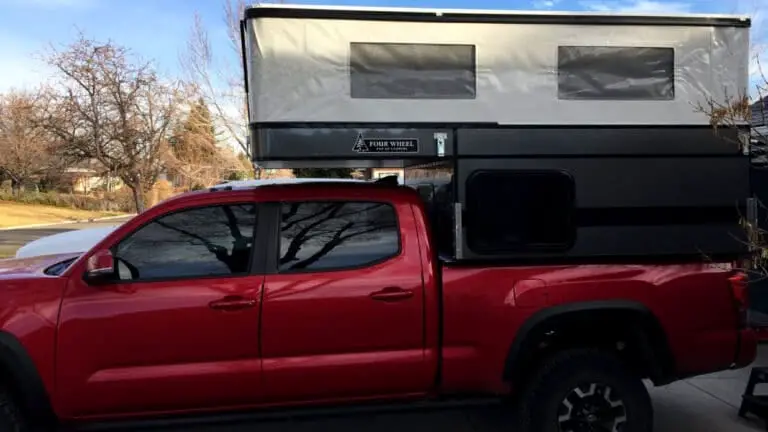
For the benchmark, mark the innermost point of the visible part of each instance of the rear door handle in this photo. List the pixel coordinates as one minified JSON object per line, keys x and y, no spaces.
{"x":391,"y":294}
{"x":232,"y":303}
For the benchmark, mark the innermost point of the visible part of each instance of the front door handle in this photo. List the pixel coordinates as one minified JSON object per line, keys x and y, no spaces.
{"x":232,"y":303}
{"x":391,"y":294}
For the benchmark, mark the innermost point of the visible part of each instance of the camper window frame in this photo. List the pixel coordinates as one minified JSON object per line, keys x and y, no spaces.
{"x":361,"y":91}
{"x":648,"y":92}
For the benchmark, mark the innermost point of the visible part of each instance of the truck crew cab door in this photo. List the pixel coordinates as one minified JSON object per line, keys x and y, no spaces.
{"x":343,"y":307}
{"x":177,"y":328}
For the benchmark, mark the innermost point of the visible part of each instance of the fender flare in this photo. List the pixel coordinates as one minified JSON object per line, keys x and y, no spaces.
{"x":17,"y":367}
{"x":655,"y":343}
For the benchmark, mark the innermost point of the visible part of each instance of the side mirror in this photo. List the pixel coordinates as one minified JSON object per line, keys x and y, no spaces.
{"x":100,"y":267}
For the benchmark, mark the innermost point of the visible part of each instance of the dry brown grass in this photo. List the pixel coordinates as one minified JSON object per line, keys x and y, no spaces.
{"x":16,"y":214}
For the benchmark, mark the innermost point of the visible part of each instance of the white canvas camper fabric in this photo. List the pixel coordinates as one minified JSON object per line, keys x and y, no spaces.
{"x":314,"y":70}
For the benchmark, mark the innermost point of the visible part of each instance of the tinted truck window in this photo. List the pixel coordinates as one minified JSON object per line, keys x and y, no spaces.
{"x":208,"y":241}
{"x":336,"y":235}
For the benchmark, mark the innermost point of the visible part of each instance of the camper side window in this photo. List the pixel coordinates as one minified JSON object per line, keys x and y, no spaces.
{"x":519,"y":211}
{"x":616,"y":73}
{"x":411,"y":71}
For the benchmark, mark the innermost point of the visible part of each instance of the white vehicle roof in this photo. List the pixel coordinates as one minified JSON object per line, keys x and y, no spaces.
{"x":66,"y":242}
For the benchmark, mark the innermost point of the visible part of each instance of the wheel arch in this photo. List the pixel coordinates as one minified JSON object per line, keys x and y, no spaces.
{"x":19,"y":371}
{"x":637,"y":319}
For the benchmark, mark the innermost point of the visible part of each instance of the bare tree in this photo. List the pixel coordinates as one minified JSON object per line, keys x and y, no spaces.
{"x":115,"y":109}
{"x":730,"y":119}
{"x":25,"y":147}
{"x":219,"y":77}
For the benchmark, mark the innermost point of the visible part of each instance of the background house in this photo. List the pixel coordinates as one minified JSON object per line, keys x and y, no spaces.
{"x":87,"y":176}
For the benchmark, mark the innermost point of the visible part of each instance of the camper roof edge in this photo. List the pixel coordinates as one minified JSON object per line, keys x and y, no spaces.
{"x":491,"y":16}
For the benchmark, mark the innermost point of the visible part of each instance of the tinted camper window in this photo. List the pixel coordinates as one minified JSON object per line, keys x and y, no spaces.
{"x":518,"y":211}
{"x":411,"y":71}
{"x":616,"y":73}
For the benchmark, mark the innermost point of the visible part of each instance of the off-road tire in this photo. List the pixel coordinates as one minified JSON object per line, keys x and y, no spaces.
{"x":11,"y":418}
{"x":611,"y":393}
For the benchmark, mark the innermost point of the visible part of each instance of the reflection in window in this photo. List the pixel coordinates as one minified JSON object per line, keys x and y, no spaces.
{"x":208,"y":241}
{"x":336,"y":235}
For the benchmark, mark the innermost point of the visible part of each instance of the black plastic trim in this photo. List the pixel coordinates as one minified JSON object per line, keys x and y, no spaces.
{"x":655,"y":216}
{"x":273,"y":414}
{"x":260,"y":241}
{"x":663,"y":362}
{"x":20,"y":370}
{"x":501,"y":18}
{"x":271,"y":231}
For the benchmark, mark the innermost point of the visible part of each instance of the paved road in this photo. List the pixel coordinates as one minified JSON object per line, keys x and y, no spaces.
{"x":704,"y":404}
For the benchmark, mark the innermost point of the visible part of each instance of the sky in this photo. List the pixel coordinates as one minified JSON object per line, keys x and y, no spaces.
{"x":157,"y":30}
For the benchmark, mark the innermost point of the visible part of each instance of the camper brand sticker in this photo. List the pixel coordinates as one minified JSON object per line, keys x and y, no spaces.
{"x":385,"y":145}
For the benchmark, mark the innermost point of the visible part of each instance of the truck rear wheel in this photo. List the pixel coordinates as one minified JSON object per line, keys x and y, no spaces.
{"x":585,"y":390}
{"x":11,"y":419}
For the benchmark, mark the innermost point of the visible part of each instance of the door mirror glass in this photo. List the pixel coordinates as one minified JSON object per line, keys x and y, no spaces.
{"x":100,"y":267}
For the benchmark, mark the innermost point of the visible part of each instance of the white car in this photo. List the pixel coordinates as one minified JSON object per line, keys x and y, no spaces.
{"x":76,"y":241}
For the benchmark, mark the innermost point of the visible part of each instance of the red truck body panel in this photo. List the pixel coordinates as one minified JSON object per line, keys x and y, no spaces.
{"x":133,"y":349}
{"x":484,"y":309}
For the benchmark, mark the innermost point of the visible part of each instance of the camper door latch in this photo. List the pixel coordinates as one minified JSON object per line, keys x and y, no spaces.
{"x":440,"y":138}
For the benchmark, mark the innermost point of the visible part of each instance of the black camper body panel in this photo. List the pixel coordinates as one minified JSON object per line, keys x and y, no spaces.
{"x":636,"y":192}
{"x":315,"y":146}
{"x":616,"y":207}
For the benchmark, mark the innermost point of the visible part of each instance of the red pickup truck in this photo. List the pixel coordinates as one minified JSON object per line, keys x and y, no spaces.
{"x":242,"y":299}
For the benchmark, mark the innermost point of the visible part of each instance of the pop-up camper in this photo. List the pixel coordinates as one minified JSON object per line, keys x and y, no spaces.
{"x":565,"y":136}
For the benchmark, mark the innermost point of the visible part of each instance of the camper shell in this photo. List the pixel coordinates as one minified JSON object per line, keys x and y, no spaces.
{"x":559,"y":136}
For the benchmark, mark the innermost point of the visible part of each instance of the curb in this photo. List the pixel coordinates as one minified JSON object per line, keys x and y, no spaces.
{"x":67,"y":222}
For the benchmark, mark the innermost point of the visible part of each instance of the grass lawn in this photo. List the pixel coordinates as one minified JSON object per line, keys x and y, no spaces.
{"x":16,"y":214}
